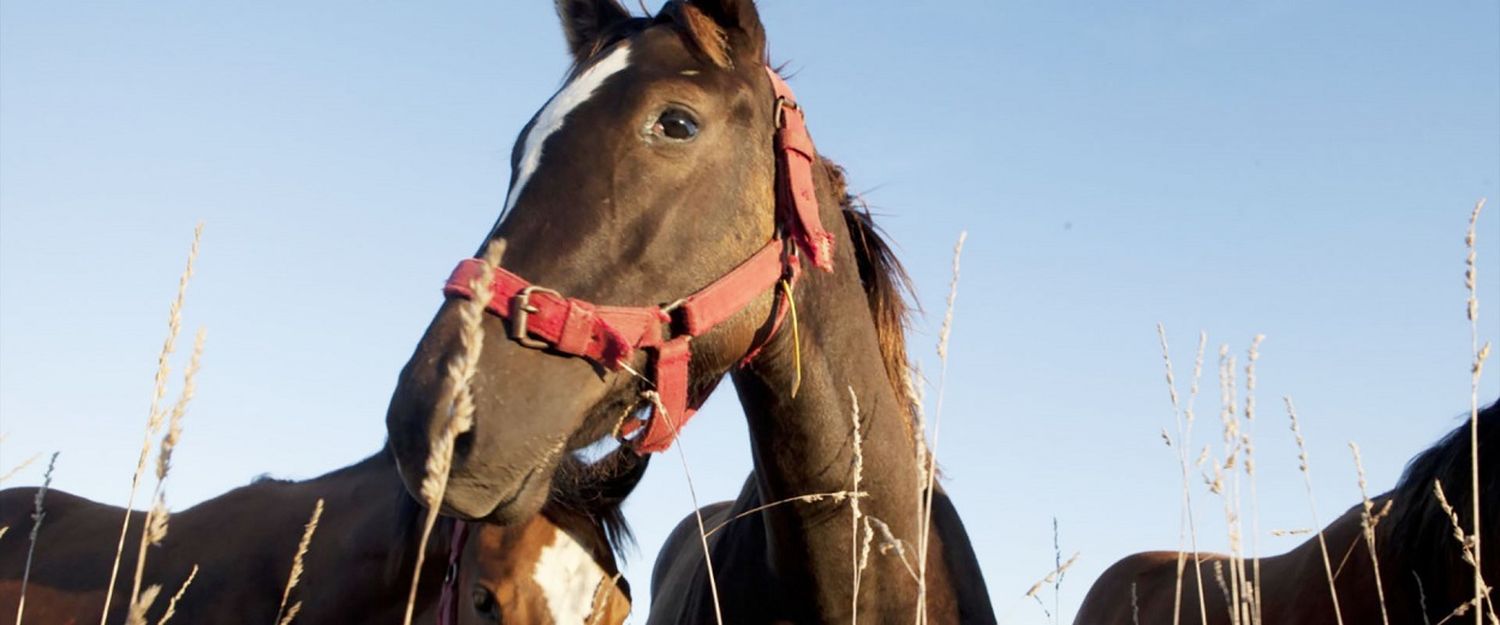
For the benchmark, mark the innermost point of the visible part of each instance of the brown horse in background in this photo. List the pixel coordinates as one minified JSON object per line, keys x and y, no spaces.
{"x":356,"y":569}
{"x":1421,"y":567}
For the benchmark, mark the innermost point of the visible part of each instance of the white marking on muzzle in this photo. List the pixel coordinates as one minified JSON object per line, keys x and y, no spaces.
{"x":555,"y":113}
{"x":568,"y":577}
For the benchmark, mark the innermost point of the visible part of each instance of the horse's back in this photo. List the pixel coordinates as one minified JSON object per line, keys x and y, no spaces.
{"x":965,"y":574}
{"x":1139,"y":588}
{"x":75,"y":532}
{"x":682,"y":553}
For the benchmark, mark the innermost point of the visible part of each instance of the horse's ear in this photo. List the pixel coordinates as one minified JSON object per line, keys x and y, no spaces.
{"x":585,"y":21}
{"x":740,"y":22}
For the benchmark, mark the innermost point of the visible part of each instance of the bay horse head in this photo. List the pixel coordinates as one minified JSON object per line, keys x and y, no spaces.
{"x":659,"y":208}
{"x":558,"y":566}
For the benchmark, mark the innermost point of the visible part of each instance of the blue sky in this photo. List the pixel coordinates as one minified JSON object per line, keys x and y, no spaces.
{"x":1295,"y":169}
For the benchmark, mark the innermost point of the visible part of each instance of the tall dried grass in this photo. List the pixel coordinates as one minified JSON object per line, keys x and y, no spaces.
{"x":285,"y":615}
{"x":38,"y":514}
{"x":1305,"y":467}
{"x":1184,"y":417}
{"x":155,"y":415}
{"x":929,"y":472}
{"x":157,"y":516}
{"x":1368,"y":520}
{"x":1480,"y":354}
{"x":457,"y":405}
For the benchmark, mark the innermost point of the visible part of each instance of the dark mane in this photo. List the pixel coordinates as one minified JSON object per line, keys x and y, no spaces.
{"x":1422,"y":530}
{"x":887,"y":285}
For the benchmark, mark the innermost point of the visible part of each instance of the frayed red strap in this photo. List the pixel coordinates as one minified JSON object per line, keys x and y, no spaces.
{"x":797,"y":194}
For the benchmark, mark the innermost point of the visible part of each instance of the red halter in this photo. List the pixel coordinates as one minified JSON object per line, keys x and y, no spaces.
{"x":448,"y":601}
{"x":541,"y":318}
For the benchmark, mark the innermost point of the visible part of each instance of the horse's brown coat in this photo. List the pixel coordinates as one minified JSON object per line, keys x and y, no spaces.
{"x":1415,"y":542}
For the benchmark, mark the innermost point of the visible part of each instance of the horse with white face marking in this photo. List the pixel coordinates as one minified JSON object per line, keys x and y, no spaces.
{"x":359,"y":564}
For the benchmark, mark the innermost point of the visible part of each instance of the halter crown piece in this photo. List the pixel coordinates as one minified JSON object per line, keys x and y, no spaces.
{"x":544,"y":319}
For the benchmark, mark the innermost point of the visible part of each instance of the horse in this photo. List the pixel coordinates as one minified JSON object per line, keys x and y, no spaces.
{"x":1422,"y":572}
{"x":356,"y":568}
{"x":672,"y":177}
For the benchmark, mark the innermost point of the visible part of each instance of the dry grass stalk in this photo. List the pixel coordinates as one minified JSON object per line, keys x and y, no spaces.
{"x":181,"y":590}
{"x":1306,"y":468}
{"x":1184,"y":419}
{"x":888,"y":542}
{"x":18,"y":468}
{"x":1251,"y":358}
{"x":457,"y":405}
{"x":155,"y":415}
{"x":1421,"y":598}
{"x":37,"y":516}
{"x":157,"y":515}
{"x":1135,"y":605}
{"x":916,"y":389}
{"x":179,"y":409}
{"x":1471,"y":276}
{"x":708,"y":562}
{"x":1368,"y":521}
{"x":1469,"y":544}
{"x":1225,"y":483}
{"x":283,"y":615}
{"x":140,"y":604}
{"x":931,"y":469}
{"x":291,"y":614}
{"x":836,"y":496}
{"x":858,"y":561}
{"x":1051,"y":578}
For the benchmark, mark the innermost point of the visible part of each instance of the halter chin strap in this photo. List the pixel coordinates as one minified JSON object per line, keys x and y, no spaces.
{"x":542,"y":318}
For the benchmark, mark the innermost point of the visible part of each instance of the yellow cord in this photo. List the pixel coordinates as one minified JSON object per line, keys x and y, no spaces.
{"x":786,"y":288}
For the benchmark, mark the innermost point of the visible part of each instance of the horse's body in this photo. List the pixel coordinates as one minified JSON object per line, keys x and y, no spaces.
{"x":746,"y":580}
{"x":665,"y":207}
{"x":357,"y":569}
{"x":1415,"y":542}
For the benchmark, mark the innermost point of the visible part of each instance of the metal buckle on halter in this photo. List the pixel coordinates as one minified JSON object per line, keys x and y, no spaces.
{"x":782,"y":104}
{"x":520,"y":309}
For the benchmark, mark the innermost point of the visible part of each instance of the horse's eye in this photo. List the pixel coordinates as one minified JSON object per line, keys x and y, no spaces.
{"x":676,"y":124}
{"x":484,"y":603}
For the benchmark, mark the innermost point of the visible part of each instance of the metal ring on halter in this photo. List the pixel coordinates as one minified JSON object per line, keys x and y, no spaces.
{"x":520,"y":309}
{"x":783,"y":103}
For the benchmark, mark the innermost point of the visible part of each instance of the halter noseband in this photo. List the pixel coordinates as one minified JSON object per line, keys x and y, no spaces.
{"x":541,"y":318}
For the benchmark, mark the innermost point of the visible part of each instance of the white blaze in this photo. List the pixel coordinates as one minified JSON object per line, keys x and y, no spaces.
{"x":568,"y":577}
{"x":551,"y":119}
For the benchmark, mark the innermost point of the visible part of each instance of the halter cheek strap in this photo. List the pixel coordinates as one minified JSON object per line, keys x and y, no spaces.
{"x":545,"y":319}
{"x":448,"y":602}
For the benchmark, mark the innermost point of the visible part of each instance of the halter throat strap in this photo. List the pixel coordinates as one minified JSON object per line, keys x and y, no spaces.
{"x":541,"y":318}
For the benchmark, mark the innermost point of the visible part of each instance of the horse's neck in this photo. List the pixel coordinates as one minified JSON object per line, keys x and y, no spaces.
{"x":365,"y":547}
{"x":1295,"y":584}
{"x":804,"y":445}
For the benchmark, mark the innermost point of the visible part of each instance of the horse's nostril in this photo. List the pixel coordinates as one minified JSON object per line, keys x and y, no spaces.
{"x":464,"y":443}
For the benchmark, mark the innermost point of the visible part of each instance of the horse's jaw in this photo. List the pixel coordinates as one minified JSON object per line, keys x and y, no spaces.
{"x":527,"y":408}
